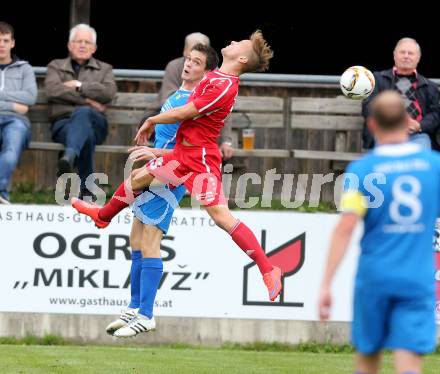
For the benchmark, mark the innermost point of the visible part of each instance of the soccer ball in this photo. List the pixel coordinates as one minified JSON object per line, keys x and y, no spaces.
{"x":357,"y":83}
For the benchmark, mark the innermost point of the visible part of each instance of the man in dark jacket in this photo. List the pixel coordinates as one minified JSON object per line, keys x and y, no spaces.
{"x":419,"y":93}
{"x":18,"y":90}
{"x":78,"y":89}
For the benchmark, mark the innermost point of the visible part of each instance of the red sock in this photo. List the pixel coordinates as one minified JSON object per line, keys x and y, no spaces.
{"x":246,"y":240}
{"x":120,"y":199}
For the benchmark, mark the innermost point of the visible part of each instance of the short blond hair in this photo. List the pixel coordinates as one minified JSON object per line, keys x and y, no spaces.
{"x":261,"y":53}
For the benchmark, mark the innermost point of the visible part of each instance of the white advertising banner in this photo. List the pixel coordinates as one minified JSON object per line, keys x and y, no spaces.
{"x":56,"y":261}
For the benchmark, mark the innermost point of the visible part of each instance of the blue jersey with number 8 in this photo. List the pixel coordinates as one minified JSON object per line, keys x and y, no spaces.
{"x":396,"y":189}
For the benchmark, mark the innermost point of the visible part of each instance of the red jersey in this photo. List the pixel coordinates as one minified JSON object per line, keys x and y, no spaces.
{"x":214,"y":98}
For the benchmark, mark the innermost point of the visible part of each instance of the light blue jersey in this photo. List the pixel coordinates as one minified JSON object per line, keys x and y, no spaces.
{"x":156,"y":206}
{"x":396,"y":188}
{"x":165,"y":134}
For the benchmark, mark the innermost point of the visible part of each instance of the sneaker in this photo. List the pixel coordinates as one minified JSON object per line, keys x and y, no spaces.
{"x":126,"y":316}
{"x":4,"y":200}
{"x":272,"y":280}
{"x":136,"y":326}
{"x":91,"y":210}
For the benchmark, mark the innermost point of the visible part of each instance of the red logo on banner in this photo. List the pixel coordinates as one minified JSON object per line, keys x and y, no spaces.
{"x":290,"y":258}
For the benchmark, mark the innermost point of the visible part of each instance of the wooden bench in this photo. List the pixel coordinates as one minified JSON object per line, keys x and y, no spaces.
{"x":338,"y":115}
{"x":265,"y":114}
{"x":325,"y":155}
{"x":127,"y":110}
{"x":48,"y":146}
{"x":293,"y":134}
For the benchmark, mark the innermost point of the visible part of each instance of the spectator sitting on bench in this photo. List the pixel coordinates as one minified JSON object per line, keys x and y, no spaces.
{"x":18,"y":91}
{"x":78,"y":89}
{"x":419,"y":93}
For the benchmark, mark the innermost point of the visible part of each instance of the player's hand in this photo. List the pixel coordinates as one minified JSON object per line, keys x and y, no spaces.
{"x":413,"y":126}
{"x":144,"y":133}
{"x":141,"y":153}
{"x":226,"y":150}
{"x":324,"y":303}
{"x":20,"y":108}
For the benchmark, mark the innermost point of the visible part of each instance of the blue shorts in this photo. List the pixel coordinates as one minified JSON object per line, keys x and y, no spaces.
{"x":156,"y":205}
{"x":381,"y":320}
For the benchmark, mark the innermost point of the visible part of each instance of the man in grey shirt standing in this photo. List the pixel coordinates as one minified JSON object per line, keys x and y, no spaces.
{"x":18,"y":91}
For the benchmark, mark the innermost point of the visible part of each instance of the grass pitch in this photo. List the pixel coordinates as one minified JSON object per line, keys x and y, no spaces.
{"x":33,"y":359}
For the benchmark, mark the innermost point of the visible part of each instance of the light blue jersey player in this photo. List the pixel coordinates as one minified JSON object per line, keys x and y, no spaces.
{"x":395,"y":189}
{"x":156,"y":207}
{"x":396,"y":265}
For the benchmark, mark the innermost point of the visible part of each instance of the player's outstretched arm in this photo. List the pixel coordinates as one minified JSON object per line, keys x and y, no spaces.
{"x":143,"y":153}
{"x":171,"y":116}
{"x":338,"y":246}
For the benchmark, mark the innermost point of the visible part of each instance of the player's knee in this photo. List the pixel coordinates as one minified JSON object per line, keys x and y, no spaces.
{"x":134,"y":179}
{"x":222,"y":217}
{"x":135,"y":243}
{"x":220,"y":220}
{"x":149,"y":251}
{"x":135,"y":172}
{"x":139,"y":179}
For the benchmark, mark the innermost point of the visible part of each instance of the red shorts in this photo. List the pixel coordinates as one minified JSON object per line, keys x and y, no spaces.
{"x":196,"y":167}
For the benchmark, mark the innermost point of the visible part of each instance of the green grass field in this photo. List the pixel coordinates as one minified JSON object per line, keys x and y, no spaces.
{"x":33,"y":359}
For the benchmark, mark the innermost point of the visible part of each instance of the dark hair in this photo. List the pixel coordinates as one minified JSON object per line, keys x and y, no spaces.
{"x":210,"y":53}
{"x":6,"y":28}
{"x":388,"y":110}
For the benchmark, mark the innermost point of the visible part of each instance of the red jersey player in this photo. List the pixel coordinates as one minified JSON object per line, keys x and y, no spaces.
{"x":195,"y":160}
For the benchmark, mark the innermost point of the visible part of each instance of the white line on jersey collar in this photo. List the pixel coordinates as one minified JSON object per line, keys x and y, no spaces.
{"x":225,"y":75}
{"x":399,"y":149}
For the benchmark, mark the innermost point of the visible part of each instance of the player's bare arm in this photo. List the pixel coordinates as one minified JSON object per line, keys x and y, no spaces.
{"x":144,"y":153}
{"x":180,"y":114}
{"x":338,"y":247}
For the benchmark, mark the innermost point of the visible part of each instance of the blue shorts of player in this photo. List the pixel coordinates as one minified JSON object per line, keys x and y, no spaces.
{"x":392,"y":320}
{"x":156,"y":205}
